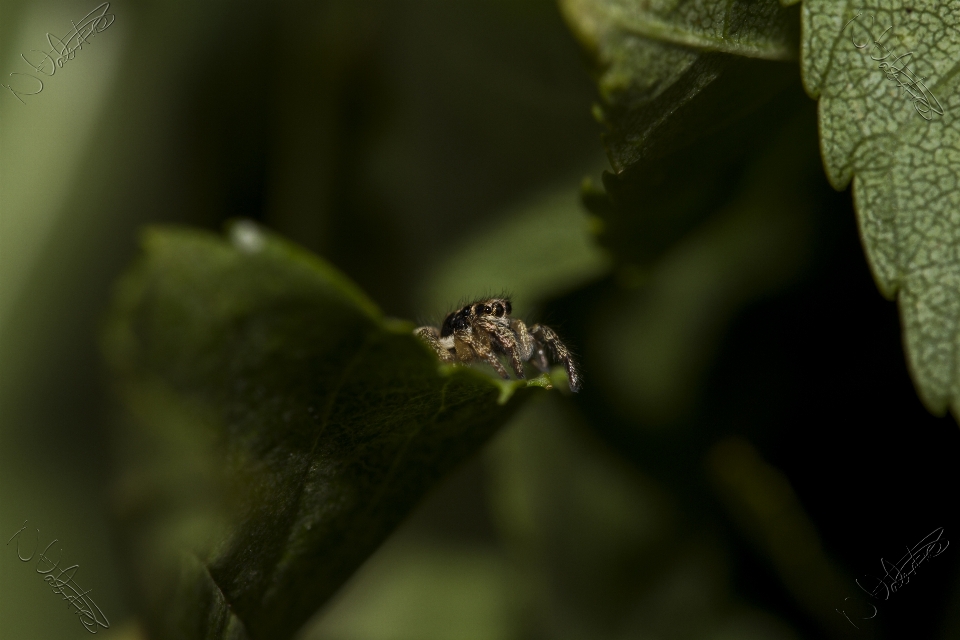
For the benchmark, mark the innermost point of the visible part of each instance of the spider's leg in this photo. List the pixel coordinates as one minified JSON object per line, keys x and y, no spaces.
{"x":479,"y":349}
{"x":506,"y":339}
{"x":431,"y":337}
{"x":531,"y":348}
{"x":561,"y":355}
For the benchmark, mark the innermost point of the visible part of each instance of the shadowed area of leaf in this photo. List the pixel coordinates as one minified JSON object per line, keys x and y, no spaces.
{"x":656,"y":332}
{"x":275,"y":429}
{"x":669,"y":72}
{"x":886,"y":75}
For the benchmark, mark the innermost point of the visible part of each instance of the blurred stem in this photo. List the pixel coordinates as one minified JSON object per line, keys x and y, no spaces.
{"x":763,"y":504}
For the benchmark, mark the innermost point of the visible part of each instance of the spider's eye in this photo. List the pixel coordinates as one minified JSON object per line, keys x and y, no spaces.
{"x":465,"y":311}
{"x":481,"y":309}
{"x":498,"y":309}
{"x":508,"y":306}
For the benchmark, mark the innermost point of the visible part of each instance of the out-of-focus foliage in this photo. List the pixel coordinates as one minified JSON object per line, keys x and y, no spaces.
{"x":430,"y":152}
{"x":886,"y":78}
{"x":601,"y":550}
{"x":657,"y":337}
{"x":702,"y":226}
{"x":422,"y":587}
{"x":380,"y":133}
{"x":670,"y":72}
{"x":765,"y":505}
{"x":543,"y":248}
{"x":592,"y":549}
{"x":317,"y":423}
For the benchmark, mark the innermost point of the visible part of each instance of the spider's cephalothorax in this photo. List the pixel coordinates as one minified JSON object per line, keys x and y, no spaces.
{"x":483,"y":329}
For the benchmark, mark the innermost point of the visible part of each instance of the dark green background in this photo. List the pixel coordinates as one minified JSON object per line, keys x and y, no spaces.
{"x":401,"y":140}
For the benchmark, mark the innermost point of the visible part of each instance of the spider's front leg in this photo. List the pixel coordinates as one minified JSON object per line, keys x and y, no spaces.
{"x":561,"y":355}
{"x":431,"y":336}
{"x":530,"y":349}
{"x":468,"y":342}
{"x":506,"y":340}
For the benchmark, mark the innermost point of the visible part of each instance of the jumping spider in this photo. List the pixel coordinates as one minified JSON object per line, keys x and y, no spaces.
{"x":483,"y":329}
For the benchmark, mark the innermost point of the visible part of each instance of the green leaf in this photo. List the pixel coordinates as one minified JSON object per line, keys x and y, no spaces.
{"x":903,"y":157}
{"x":276,"y":429}
{"x":429,"y":590}
{"x":670,"y":71}
{"x":676,"y":80}
{"x":543,"y":247}
{"x":648,"y":209}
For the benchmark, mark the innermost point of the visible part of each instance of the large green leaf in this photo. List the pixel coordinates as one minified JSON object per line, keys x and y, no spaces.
{"x":670,"y":71}
{"x":903,"y":154}
{"x":277,"y":429}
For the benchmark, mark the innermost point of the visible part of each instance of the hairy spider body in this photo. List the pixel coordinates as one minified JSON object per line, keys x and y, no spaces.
{"x":483,"y":330}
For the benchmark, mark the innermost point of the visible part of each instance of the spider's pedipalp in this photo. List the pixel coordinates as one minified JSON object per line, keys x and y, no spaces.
{"x":476,"y":346}
{"x":504,"y":338}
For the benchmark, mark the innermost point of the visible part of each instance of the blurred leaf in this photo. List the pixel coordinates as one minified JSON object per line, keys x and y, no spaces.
{"x":422,"y":591}
{"x":676,"y":80}
{"x":602,"y":551}
{"x":278,"y":428}
{"x":540,"y":248}
{"x":655,"y":339}
{"x":647,"y":209}
{"x":765,"y":506}
{"x":903,"y":154}
{"x":129,"y":629}
{"x":670,"y":71}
